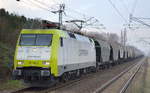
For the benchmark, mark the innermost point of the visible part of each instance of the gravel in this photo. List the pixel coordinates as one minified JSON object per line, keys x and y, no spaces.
{"x":93,"y":81}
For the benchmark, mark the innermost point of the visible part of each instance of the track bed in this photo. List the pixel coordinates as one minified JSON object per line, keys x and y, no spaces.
{"x":87,"y":83}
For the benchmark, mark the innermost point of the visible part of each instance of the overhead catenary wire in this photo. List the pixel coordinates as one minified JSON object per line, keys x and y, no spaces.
{"x":73,"y":10}
{"x":89,"y":21}
{"x":116,"y":9}
{"x":132,"y":12}
{"x":85,"y":16}
{"x":69,"y":16}
{"x":125,"y":6}
{"x":36,"y":5}
{"x":134,"y":6}
{"x":40,"y":5}
{"x":140,"y":20}
{"x":44,"y":4}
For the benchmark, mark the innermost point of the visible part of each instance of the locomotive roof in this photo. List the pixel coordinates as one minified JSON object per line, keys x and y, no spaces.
{"x":44,"y":31}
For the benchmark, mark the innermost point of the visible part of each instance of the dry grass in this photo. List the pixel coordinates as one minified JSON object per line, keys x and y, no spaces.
{"x":141,"y":83}
{"x":11,"y":85}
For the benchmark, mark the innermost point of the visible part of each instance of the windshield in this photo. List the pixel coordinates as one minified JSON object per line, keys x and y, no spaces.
{"x":35,"y":39}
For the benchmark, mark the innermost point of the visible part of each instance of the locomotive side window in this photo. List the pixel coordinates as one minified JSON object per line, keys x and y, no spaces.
{"x":72,"y":35}
{"x":61,"y":42}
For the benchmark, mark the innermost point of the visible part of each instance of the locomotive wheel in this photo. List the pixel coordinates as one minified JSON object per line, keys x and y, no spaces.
{"x":65,"y":77}
{"x":97,"y":68}
{"x":94,"y":69}
{"x":78,"y":74}
{"x":108,"y":66}
{"x":84,"y":71}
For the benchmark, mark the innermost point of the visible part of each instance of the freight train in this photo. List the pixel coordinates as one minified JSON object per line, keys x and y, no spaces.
{"x":44,"y":56}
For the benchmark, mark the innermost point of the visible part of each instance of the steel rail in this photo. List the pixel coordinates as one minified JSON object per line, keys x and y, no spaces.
{"x":107,"y":84}
{"x":125,"y":87}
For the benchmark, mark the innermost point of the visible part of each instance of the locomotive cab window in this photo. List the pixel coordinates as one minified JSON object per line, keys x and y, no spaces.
{"x":35,"y":40}
{"x":90,"y":40}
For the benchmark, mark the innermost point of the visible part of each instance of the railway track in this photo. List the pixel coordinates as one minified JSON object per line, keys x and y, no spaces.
{"x":53,"y":88}
{"x":134,"y":68}
{"x":67,"y":84}
{"x":124,"y":88}
{"x":22,"y":90}
{"x":59,"y":86}
{"x":47,"y":90}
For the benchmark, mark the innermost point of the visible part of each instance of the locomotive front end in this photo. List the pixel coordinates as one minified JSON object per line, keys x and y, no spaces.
{"x":34,"y":59}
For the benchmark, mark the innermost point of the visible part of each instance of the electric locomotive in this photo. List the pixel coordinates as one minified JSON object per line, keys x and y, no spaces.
{"x":44,"y":55}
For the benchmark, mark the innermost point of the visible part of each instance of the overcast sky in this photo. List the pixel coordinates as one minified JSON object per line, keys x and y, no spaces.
{"x":100,"y":9}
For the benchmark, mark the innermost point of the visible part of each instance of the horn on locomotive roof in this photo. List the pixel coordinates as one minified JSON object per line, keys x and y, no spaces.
{"x":50,"y":25}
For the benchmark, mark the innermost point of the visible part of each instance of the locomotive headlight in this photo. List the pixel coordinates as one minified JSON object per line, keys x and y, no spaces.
{"x":34,"y":50}
{"x":46,"y":63}
{"x":20,"y":63}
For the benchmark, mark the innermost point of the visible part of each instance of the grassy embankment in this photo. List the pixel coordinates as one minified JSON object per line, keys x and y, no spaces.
{"x":6,"y":66}
{"x":10,"y":26}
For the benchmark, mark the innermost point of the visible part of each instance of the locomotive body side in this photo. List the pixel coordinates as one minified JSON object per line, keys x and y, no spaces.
{"x":46,"y":54}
